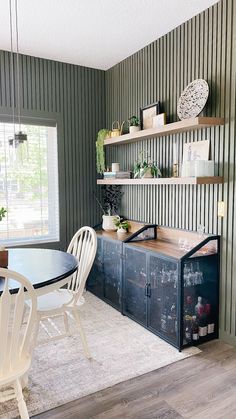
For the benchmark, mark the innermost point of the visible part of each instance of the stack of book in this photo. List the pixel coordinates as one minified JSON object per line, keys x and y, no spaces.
{"x":117,"y":175}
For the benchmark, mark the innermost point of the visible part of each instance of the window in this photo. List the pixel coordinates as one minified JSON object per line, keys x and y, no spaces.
{"x":29,"y":185}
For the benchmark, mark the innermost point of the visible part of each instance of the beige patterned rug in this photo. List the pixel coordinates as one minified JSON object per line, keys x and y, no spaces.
{"x":121,"y":349}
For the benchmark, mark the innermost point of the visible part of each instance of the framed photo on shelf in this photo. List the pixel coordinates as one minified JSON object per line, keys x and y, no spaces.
{"x":159,"y":120}
{"x":147,"y":113}
{"x":198,"y":150}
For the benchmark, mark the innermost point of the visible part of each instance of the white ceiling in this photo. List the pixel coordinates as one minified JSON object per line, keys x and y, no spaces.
{"x":93,"y":33}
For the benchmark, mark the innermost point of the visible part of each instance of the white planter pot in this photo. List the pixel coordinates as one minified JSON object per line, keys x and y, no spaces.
{"x":121,"y":231}
{"x":108,"y":222}
{"x":147,"y":174}
{"x":133,"y":129}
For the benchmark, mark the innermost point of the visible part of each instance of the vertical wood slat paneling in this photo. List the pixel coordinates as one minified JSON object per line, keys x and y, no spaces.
{"x":77,"y":95}
{"x":203,"y":47}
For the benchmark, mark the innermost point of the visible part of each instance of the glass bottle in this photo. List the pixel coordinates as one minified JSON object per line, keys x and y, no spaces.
{"x":195,"y":327}
{"x":210,"y":319}
{"x":188,"y":329}
{"x":199,"y":307}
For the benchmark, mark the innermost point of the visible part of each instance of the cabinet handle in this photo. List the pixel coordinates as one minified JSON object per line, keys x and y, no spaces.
{"x":149,"y":290}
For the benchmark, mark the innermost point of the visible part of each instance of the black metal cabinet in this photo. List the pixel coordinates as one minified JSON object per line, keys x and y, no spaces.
{"x":106,"y":275}
{"x":135,"y":284}
{"x":95,"y":282}
{"x":176,"y":298}
{"x":163,"y":297}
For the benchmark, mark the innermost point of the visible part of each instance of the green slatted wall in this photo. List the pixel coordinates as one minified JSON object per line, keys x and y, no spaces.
{"x":200,"y":48}
{"x":74,"y":96}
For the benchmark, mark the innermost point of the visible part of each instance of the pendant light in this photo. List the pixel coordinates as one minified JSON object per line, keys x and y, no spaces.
{"x":19,"y":137}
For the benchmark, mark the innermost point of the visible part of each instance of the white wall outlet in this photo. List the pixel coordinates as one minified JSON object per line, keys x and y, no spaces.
{"x":221,"y":209}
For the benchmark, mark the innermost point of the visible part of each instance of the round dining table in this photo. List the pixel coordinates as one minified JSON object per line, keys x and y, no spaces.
{"x":46,"y":269}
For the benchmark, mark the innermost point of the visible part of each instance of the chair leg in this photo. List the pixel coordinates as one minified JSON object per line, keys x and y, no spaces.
{"x":20,"y":400}
{"x":36,"y":331}
{"x":82,"y":334}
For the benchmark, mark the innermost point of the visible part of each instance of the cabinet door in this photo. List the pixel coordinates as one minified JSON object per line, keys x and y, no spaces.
{"x":162,"y":301}
{"x":95,"y":279}
{"x":112,"y":263}
{"x":134,"y":284}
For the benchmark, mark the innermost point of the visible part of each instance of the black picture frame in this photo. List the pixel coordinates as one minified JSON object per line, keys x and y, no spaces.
{"x":156,"y":111}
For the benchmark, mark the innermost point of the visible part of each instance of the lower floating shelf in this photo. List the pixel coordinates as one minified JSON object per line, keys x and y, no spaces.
{"x":164,"y":181}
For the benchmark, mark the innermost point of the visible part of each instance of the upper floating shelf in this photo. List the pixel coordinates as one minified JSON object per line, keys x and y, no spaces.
{"x":173,"y":128}
{"x":164,"y":181}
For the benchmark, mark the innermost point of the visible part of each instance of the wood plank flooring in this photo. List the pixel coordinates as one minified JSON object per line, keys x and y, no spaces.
{"x":203,"y":386}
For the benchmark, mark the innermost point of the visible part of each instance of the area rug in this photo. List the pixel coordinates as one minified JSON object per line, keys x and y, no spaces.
{"x":121,"y":349}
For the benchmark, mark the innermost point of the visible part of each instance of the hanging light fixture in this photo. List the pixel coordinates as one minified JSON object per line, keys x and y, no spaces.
{"x":19,"y":137}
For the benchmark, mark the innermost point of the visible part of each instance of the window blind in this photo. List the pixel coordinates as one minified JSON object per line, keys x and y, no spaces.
{"x":29,"y":185}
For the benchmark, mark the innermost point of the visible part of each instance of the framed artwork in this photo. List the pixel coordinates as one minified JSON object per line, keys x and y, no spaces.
{"x":147,"y":113}
{"x":198,"y":150}
{"x":159,"y":120}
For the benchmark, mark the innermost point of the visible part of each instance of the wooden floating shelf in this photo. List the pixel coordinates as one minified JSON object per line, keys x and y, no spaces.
{"x":173,"y":128}
{"x":164,"y":181}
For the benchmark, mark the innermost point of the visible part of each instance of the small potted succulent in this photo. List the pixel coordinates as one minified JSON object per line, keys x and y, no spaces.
{"x":145,"y":168}
{"x":3,"y":251}
{"x":111,"y":198}
{"x":122,"y":226}
{"x":134,"y":124}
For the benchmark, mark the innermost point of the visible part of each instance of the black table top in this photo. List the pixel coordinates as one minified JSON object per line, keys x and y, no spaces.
{"x":41,"y":267}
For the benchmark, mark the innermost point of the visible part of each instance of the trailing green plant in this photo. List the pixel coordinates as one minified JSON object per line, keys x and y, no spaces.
{"x":122,"y":224}
{"x":100,"y":153}
{"x":3,"y":212}
{"x":143,"y":164}
{"x":134,"y":121}
{"x":110,"y":199}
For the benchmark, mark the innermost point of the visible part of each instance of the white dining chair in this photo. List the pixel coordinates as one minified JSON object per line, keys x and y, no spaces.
{"x":16,"y":331}
{"x":65,"y":302}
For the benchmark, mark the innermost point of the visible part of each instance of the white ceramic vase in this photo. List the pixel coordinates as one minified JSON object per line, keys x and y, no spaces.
{"x":108,"y":222}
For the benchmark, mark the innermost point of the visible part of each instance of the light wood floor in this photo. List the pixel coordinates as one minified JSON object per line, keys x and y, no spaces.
{"x":203,"y":386}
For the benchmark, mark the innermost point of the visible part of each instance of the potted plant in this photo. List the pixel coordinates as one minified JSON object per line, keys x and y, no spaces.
{"x":111,"y":198}
{"x":134,"y":124}
{"x":122,"y":226}
{"x":145,"y":168}
{"x":3,"y":251}
{"x":100,"y":154}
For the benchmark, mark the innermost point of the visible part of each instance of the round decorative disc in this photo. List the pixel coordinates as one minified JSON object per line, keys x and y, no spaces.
{"x":193,"y":99}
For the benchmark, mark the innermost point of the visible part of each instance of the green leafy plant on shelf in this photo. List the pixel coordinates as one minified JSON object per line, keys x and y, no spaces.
{"x":144,"y":167}
{"x":134,"y":121}
{"x":100,"y":153}
{"x":122,"y":224}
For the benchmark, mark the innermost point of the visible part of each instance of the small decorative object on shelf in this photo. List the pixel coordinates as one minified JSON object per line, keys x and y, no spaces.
{"x":134,"y":124}
{"x":175,"y":170}
{"x":100,"y":154}
{"x":115,"y":130}
{"x":147,"y":113}
{"x":111,"y":199}
{"x":193,"y":99}
{"x":115,"y":167}
{"x":159,"y":120}
{"x":145,"y":168}
{"x":3,"y":257}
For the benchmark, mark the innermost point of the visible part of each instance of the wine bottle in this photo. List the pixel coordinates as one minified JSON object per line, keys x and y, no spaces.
{"x":195,"y":329}
{"x":199,"y":308}
{"x":188,"y":329}
{"x":202,"y":325}
{"x":210,"y":319}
